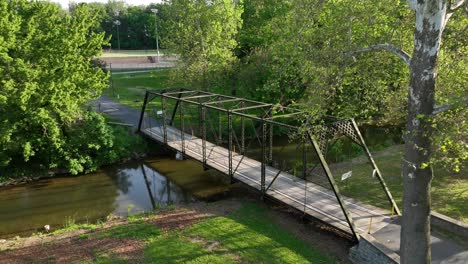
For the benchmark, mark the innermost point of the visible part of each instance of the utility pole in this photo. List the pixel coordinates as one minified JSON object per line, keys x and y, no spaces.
{"x":155,"y":11}
{"x":117,"y":23}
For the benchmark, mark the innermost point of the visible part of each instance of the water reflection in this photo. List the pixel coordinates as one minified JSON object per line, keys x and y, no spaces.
{"x":118,"y":190}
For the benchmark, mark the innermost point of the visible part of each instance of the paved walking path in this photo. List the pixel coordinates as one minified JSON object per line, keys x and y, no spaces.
{"x":119,"y":111}
{"x":444,"y":250}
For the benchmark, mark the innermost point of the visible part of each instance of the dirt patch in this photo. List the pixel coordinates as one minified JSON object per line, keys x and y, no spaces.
{"x":23,"y":242}
{"x":69,"y":251}
{"x":193,"y":213}
{"x":178,"y":219}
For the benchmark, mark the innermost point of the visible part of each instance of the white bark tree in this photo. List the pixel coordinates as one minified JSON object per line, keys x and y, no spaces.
{"x":431,"y":18}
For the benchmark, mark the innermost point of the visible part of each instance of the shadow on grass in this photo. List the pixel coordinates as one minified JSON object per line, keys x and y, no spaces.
{"x":248,"y":235}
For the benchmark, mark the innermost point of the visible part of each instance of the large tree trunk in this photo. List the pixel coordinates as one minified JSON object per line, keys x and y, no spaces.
{"x":417,"y":175}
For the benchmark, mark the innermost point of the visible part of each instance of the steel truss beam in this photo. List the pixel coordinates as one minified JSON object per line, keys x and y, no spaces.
{"x":224,"y":101}
{"x":180,"y":92}
{"x":199,"y":96}
{"x":251,"y":107}
{"x":286,"y":115}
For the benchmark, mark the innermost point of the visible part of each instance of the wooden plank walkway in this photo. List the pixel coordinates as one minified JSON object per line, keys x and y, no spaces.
{"x":305,"y":196}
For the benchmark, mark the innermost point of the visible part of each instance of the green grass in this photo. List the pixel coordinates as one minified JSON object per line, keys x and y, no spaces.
{"x":73,"y":227}
{"x":449,"y":190}
{"x":141,"y":231}
{"x":245,"y":236}
{"x":176,"y":248}
{"x":129,"y":89}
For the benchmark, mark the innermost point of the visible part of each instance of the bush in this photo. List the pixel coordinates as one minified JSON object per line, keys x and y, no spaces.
{"x":87,"y":144}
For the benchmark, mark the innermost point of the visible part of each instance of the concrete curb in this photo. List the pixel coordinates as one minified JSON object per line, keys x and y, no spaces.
{"x":449,"y":224}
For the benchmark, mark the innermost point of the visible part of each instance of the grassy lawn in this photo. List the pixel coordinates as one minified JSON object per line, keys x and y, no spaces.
{"x":246,"y":236}
{"x":449,"y":190}
{"x":129,"y":89}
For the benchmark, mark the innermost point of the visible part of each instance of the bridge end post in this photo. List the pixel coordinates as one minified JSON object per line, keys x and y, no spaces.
{"x":175,"y":108}
{"x":334,"y":187}
{"x":142,"y":114}
{"x":374,"y":166}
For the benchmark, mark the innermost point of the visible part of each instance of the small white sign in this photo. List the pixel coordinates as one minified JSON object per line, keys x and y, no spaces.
{"x":346,"y":175}
{"x":159,"y":112}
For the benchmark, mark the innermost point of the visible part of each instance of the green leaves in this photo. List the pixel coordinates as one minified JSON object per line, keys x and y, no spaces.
{"x":46,"y":78}
{"x":204,"y":35}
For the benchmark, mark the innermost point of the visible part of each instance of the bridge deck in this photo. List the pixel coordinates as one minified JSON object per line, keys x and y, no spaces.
{"x":315,"y":200}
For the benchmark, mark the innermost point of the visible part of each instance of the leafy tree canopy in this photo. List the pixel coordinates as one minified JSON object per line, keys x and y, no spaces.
{"x":204,"y":34}
{"x":46,"y":76}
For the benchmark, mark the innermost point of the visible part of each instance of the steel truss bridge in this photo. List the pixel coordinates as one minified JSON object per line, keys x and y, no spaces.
{"x":235,"y":136}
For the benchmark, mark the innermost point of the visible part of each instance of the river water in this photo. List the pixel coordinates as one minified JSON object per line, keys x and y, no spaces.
{"x":115,"y":190}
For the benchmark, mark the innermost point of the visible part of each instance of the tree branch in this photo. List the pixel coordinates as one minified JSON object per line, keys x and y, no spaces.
{"x":445,"y":107}
{"x":453,"y":7}
{"x":388,"y":47}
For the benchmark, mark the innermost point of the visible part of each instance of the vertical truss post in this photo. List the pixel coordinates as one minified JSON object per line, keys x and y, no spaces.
{"x":242,"y":150}
{"x":229,"y":116}
{"x":182,"y":128}
{"x":203,"y":123}
{"x":175,"y":109}
{"x":374,"y":165}
{"x":304,"y":160}
{"x":264,"y":158}
{"x":304,"y":171}
{"x":142,"y":114}
{"x":200,"y":127}
{"x":329,"y":175}
{"x":163,"y":109}
{"x":220,"y":129}
{"x":270,"y":145}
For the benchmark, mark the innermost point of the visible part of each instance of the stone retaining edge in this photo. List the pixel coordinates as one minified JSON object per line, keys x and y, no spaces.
{"x":369,"y":250}
{"x":449,"y":224}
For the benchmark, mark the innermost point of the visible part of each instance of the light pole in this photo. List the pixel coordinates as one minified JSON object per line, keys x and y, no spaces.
{"x":155,"y":11}
{"x":117,"y":23}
